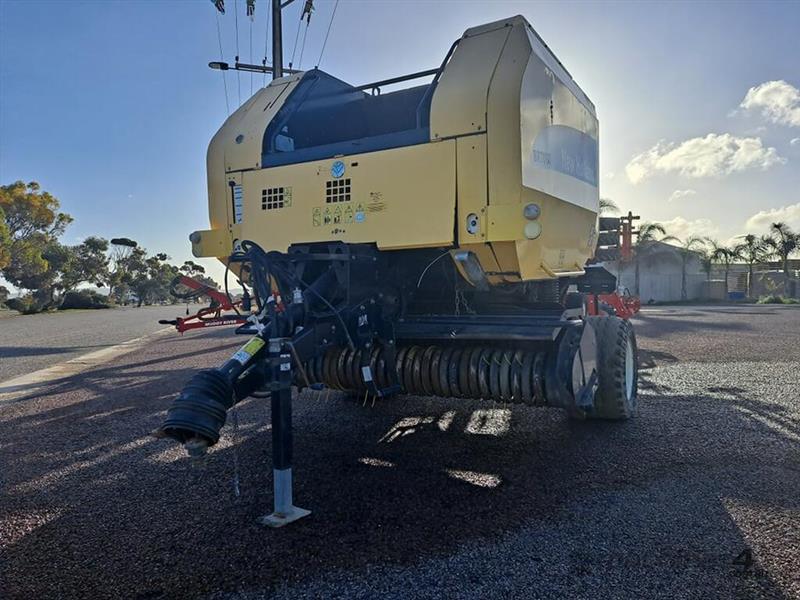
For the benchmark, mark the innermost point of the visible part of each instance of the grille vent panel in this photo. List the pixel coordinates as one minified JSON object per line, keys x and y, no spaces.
{"x":337,"y":190}
{"x":272,"y":198}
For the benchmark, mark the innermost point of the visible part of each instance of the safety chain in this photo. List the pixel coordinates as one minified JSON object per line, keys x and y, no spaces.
{"x":234,"y":412}
{"x":462,"y":304}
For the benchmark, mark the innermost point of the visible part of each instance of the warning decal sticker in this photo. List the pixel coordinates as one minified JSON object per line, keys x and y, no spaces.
{"x":360,"y":214}
{"x":247,"y":351}
{"x":238,"y":203}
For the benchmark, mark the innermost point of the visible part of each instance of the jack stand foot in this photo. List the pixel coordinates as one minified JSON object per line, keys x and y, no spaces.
{"x":285,"y":511}
{"x":276,"y":520}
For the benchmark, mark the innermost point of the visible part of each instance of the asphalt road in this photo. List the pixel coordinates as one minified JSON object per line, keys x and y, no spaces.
{"x":419,"y":497}
{"x":32,"y":342}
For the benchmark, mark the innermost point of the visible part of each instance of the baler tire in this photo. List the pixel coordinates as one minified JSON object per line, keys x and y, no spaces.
{"x":617,"y":368}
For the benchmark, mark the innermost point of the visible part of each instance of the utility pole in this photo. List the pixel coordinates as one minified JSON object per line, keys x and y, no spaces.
{"x":277,"y":39}
{"x":276,"y":69}
{"x":628,"y":232}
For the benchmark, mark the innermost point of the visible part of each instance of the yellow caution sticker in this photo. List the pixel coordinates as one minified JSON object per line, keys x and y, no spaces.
{"x":247,"y":351}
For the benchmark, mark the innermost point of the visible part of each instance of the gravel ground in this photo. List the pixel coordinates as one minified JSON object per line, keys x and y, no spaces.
{"x":416,"y":497}
{"x":32,"y":342}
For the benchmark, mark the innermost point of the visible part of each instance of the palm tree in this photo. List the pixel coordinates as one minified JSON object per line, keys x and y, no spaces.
{"x":608,"y":206}
{"x":724,"y":255}
{"x":706,"y":262}
{"x":646,"y":238}
{"x":754,"y":250}
{"x":783,"y":242}
{"x":687,"y":250}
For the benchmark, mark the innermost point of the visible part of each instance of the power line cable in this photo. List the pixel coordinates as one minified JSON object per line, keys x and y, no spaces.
{"x":251,"y":54}
{"x":236,"y":20}
{"x":303,"y":47}
{"x":327,"y":33}
{"x":221,"y":58}
{"x":296,"y":37}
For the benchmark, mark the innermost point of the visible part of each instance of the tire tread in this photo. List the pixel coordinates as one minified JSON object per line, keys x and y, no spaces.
{"x":613,"y":335}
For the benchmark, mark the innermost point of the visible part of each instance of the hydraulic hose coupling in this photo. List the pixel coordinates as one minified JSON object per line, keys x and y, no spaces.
{"x":198,"y":414}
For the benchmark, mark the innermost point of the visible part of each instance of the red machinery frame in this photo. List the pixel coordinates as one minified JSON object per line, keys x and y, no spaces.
{"x":211,"y":316}
{"x":624,"y":306}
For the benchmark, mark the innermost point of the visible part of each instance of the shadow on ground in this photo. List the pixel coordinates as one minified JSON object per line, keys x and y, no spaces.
{"x":104,"y":510}
{"x":18,"y":351}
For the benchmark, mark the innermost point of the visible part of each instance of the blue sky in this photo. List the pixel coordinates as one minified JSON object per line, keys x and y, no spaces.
{"x":110,"y":104}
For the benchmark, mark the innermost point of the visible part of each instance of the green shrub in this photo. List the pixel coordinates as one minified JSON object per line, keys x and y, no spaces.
{"x":774,"y":299}
{"x":27,"y":305}
{"x":83,"y":299}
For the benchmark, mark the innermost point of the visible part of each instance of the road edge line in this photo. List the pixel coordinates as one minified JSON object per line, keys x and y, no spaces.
{"x":22,"y":384}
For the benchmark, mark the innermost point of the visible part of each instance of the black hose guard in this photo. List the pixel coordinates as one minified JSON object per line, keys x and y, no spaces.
{"x":201,"y":408}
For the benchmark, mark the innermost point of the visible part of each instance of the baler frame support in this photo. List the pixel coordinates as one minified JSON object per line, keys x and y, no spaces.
{"x":280,"y":364}
{"x":323,"y":325}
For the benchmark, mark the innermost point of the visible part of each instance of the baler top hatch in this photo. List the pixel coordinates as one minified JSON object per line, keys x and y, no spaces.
{"x":325,"y":117}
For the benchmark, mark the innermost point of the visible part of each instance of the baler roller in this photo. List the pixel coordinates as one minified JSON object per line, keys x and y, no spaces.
{"x":474,"y":372}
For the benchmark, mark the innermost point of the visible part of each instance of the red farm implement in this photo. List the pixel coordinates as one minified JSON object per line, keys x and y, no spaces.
{"x":210,"y":316}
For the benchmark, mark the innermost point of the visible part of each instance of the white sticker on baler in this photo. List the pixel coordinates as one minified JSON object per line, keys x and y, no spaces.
{"x":366,"y":373}
{"x":238,"y":204}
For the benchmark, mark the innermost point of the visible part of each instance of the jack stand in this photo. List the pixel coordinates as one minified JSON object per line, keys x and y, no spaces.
{"x":284,"y":510}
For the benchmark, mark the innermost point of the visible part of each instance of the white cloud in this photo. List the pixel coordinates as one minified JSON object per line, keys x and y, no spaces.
{"x":795,"y":141}
{"x":778,"y":101}
{"x":760,"y":222}
{"x":711,"y":156}
{"x":681,"y":194}
{"x":683,"y":228}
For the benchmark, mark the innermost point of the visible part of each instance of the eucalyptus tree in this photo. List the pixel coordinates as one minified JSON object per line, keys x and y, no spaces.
{"x":30,"y":254}
{"x":119,"y":278}
{"x":5,"y":241}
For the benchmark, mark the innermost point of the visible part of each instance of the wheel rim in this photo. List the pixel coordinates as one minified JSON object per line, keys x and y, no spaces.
{"x":630,"y":370}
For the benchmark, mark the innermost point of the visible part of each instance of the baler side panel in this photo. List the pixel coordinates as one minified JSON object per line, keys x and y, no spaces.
{"x":504,"y":162}
{"x":398,"y":198}
{"x":559,"y":132}
{"x":225,"y":155}
{"x":245,"y":152}
{"x":472,"y":187}
{"x":559,"y":146}
{"x":459,"y":102}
